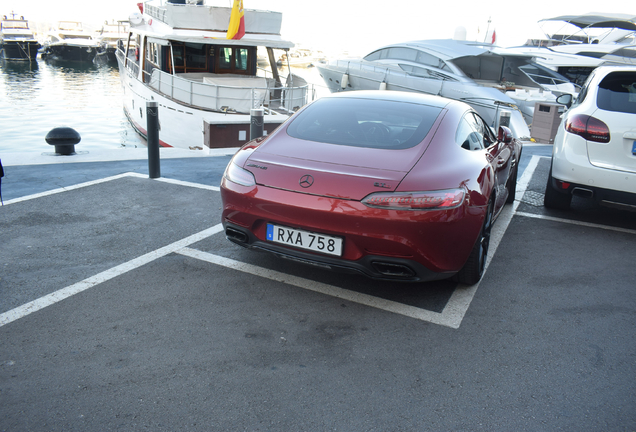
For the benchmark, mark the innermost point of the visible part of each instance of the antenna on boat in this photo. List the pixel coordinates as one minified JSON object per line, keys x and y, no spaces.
{"x":487,"y":28}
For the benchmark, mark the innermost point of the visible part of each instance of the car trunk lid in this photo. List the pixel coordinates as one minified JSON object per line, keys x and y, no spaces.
{"x":331,"y":170}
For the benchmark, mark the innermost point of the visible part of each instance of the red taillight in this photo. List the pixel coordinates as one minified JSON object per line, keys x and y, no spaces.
{"x":434,"y":200}
{"x":590,"y":128}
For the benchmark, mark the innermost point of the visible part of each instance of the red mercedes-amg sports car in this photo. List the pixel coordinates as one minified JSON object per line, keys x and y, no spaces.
{"x":394,"y":185}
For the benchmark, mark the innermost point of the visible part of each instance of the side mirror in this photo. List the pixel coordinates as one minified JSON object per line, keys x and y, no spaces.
{"x":504,"y":135}
{"x":565,"y":99}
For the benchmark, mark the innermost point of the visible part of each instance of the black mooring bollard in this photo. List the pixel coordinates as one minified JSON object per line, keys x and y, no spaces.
{"x":256,"y":123}
{"x":64,"y":140}
{"x":152,"y":121}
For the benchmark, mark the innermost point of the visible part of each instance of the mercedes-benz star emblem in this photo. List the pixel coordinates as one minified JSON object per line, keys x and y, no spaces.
{"x":306,"y":181}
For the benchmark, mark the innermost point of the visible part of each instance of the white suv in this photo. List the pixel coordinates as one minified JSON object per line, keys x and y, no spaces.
{"x":594,"y":152}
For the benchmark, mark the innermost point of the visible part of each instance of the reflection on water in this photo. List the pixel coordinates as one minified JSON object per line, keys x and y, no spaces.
{"x":36,"y":97}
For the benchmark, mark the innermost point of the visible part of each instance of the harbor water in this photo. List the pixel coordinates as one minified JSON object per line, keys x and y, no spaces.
{"x":39,"y":96}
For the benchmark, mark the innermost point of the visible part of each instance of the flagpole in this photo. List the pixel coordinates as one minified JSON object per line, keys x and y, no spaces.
{"x":487,"y":28}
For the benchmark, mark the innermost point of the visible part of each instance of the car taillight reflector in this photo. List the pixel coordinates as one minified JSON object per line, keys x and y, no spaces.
{"x":433,"y":200}
{"x":590,"y":128}
{"x":238,"y":175}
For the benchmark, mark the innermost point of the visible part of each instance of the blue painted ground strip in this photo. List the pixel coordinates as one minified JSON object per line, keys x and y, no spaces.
{"x":25,"y":180}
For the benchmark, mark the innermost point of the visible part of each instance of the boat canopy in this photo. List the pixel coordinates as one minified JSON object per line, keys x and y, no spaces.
{"x":620,"y":21}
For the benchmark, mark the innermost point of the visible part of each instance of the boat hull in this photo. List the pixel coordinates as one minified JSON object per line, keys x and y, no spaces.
{"x":184,"y":126}
{"x":27,"y":50}
{"x":107,"y":56}
{"x":70,"y":53}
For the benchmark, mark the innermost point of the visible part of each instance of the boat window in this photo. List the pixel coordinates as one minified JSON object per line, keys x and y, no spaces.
{"x":408,"y":54}
{"x":431,"y":60}
{"x":236,"y":60}
{"x":402,"y":54}
{"x":152,"y":53}
{"x":188,"y":57}
{"x":195,"y":56}
{"x":370,"y":123}
{"x":375,"y":55}
{"x":482,"y":67}
{"x":617,"y":92}
{"x":395,"y":53}
{"x":178,"y":56}
{"x":225,"y":58}
{"x":241,"y":59}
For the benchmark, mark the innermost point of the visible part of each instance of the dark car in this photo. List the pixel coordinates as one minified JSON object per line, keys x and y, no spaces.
{"x":394,"y":185}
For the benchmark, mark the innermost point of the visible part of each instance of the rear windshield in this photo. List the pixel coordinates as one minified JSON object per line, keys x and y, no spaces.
{"x":364,"y":123}
{"x":617,"y":92}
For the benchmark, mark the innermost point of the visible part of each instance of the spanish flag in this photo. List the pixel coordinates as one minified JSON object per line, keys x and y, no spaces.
{"x":236,"y":29}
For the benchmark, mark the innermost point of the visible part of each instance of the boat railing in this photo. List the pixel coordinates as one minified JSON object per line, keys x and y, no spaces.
{"x":546,"y":80}
{"x":230,"y":93}
{"x":155,"y":12}
{"x":130,"y":65}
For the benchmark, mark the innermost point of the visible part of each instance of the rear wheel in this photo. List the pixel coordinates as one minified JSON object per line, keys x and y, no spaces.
{"x":474,"y":268}
{"x":555,"y":199}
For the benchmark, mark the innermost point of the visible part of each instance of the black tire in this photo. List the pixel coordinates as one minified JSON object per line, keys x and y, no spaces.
{"x":555,"y":199}
{"x":474,"y":268}
{"x":512,"y":187}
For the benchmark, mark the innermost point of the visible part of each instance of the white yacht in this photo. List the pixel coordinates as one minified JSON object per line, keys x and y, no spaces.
{"x":17,"y":41}
{"x":577,"y":44}
{"x":486,"y":77}
{"x":177,"y":54}
{"x":69,"y":42}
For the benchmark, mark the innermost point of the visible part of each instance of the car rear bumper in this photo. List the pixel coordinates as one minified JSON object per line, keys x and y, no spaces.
{"x":571,"y":165}
{"x":606,"y":197}
{"x":373,"y":266}
{"x":383,"y":244}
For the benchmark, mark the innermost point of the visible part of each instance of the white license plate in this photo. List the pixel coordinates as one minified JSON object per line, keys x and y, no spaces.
{"x":304,"y":239}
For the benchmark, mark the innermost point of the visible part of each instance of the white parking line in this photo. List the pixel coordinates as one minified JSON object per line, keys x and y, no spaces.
{"x":107,"y":179}
{"x":64,"y":293}
{"x":451,"y":316}
{"x":70,"y":188}
{"x":575,"y":222}
{"x":463,"y":295}
{"x":319,"y":287}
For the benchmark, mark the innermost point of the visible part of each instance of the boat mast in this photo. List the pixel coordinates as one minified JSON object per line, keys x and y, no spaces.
{"x":487,"y":28}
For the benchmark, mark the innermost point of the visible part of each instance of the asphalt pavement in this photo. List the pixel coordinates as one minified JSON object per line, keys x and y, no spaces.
{"x":123,"y":307}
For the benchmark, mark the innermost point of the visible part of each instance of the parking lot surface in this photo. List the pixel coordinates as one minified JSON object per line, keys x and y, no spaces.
{"x":123,"y":307}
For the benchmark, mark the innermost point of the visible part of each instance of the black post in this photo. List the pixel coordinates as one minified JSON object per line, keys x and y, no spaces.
{"x":152,"y":120}
{"x":256,"y":124}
